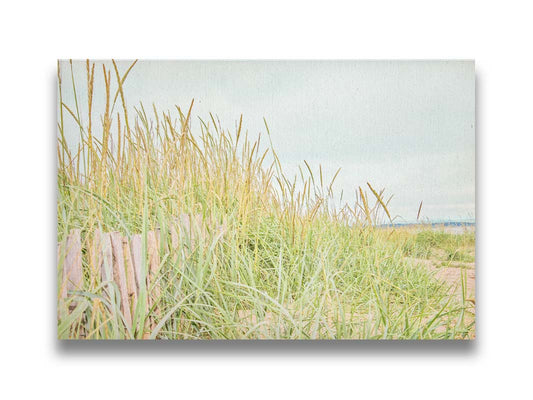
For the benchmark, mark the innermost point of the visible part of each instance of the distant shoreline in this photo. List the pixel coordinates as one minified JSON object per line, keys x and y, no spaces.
{"x":453,"y":227}
{"x":432,"y":224}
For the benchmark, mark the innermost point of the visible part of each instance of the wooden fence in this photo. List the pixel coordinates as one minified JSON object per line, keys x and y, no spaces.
{"x":112,"y":257}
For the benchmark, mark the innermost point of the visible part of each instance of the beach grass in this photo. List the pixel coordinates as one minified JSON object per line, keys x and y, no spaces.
{"x":272,"y":256}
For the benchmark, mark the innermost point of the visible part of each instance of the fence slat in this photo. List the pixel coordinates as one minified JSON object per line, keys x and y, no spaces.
{"x":174,"y":237}
{"x":119,"y":274}
{"x":136,"y":254}
{"x":95,"y":256}
{"x":174,"y":241}
{"x":107,"y":257}
{"x":61,"y":263}
{"x":130,"y":274}
{"x":72,"y":271}
{"x":153,"y":267}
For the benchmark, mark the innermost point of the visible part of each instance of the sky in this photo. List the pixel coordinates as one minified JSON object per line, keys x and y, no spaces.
{"x":404,"y":126}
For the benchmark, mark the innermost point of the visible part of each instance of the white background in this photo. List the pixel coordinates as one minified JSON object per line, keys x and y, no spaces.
{"x":35,"y":34}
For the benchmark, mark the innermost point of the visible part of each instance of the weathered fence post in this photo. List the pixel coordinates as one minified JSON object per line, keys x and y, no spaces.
{"x":130,"y":274}
{"x":119,"y":275}
{"x":72,"y":268}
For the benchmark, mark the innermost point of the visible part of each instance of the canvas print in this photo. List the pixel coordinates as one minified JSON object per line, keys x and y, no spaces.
{"x":265,"y":199}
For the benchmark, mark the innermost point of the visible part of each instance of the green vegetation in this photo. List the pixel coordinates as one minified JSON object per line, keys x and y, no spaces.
{"x":428,"y":243}
{"x":274,"y":259}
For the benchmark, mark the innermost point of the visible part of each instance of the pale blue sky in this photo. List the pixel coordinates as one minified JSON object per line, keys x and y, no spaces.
{"x":406,"y":126}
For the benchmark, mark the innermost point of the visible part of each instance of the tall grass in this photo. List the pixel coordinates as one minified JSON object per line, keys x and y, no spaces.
{"x":276,"y":259}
